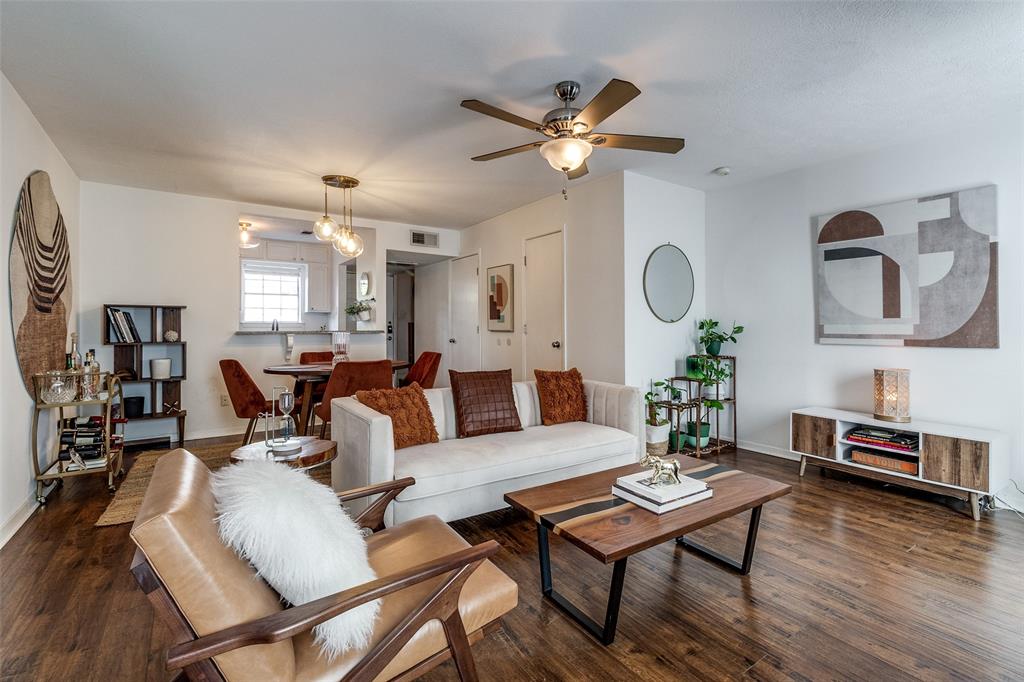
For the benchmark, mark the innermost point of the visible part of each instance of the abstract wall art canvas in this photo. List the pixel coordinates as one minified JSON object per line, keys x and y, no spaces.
{"x":40,"y":279}
{"x":923,"y":272}
{"x":499,"y":298}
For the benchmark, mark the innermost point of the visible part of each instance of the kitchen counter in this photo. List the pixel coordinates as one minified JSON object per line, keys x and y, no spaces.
{"x":303,"y":332}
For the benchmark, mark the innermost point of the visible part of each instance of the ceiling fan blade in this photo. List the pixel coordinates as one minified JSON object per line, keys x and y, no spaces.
{"x":488,"y":110}
{"x":508,"y":152}
{"x":644,"y":143}
{"x":579,"y":172}
{"x":612,"y":97}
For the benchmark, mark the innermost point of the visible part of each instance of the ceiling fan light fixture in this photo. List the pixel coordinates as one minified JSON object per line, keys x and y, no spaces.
{"x":566,"y":153}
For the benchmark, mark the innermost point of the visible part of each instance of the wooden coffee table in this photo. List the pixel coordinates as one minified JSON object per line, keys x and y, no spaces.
{"x":583,"y":511}
{"x":314,"y":453}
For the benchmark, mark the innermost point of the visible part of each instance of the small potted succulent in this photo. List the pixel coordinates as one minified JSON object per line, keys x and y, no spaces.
{"x":361,"y":309}
{"x":712,"y":338}
{"x":656,"y":426}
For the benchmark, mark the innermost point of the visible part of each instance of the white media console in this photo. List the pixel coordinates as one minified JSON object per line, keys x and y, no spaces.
{"x":959,"y":461}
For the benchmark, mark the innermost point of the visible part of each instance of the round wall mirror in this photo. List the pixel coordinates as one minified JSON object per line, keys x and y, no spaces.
{"x":668,"y":283}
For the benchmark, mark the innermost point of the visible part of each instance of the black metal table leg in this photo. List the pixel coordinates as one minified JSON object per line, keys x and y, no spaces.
{"x":748,"y":551}
{"x":606,"y":633}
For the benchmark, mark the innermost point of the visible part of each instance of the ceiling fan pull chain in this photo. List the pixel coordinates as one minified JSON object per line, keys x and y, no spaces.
{"x":565,"y":183}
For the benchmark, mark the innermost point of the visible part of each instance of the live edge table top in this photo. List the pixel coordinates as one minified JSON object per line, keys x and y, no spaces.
{"x":584,"y":511}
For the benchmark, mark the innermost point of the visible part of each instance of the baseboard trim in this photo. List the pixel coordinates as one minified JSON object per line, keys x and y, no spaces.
{"x":17,"y":520}
{"x":765,"y":449}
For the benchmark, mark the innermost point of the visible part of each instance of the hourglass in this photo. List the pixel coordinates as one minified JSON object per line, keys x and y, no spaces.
{"x":283,"y":439}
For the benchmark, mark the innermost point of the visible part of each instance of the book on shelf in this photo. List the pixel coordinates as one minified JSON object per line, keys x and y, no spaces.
{"x":661,"y":508}
{"x":888,"y":462}
{"x":115,"y":331}
{"x":85,"y":464}
{"x":131,"y":326}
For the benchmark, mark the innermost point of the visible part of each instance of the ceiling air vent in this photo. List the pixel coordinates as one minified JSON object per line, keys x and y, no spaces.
{"x":420,"y":238}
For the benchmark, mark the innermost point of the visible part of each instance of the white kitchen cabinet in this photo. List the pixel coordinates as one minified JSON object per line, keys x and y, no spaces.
{"x":282,"y":251}
{"x":318,"y":288}
{"x":314,"y":253}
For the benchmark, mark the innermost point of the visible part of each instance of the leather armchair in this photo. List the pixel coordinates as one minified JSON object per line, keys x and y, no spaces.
{"x":438,"y":594}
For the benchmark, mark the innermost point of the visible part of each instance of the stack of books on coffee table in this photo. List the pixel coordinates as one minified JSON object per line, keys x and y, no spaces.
{"x":660,"y":498}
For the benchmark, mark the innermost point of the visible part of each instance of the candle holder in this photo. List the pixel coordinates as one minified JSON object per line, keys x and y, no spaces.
{"x":339,"y":344}
{"x":892,"y":395}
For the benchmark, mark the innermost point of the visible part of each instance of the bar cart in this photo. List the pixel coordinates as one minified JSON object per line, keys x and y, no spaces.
{"x":67,"y":390}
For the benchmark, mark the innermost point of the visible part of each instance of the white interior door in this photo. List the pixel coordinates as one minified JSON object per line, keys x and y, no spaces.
{"x":464,"y":342}
{"x":543,"y":305}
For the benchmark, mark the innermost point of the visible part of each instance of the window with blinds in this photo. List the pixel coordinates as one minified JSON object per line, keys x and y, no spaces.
{"x":272,"y":291}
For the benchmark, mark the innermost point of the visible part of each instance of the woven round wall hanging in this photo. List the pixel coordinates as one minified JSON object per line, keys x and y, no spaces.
{"x":40,"y":271}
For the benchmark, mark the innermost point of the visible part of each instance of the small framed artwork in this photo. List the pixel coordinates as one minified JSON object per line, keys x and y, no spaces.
{"x":499,"y":298}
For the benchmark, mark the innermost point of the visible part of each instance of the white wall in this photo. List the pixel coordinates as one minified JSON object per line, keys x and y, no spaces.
{"x":760,"y":273}
{"x":592,"y":221}
{"x":24,"y":148}
{"x":431,"y":314}
{"x":658,"y":212}
{"x":143,"y":246}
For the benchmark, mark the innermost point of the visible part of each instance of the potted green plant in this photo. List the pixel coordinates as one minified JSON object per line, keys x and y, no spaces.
{"x":361,"y":309}
{"x":656,"y":426}
{"x":712,"y":337}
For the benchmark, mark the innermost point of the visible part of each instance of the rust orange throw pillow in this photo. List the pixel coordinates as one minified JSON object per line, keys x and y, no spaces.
{"x":561,"y":396}
{"x":411,"y":420}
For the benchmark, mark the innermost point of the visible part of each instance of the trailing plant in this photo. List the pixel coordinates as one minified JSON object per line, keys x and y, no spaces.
{"x":710,"y":370}
{"x":660,"y":390}
{"x":360,"y":306}
{"x":711,"y":334}
{"x":651,"y":398}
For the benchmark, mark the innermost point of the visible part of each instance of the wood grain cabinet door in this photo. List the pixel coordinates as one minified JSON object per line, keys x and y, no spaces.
{"x":956,"y":461}
{"x":814,"y":435}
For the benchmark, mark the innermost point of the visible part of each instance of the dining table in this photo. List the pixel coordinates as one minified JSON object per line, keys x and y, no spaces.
{"x":308,"y":376}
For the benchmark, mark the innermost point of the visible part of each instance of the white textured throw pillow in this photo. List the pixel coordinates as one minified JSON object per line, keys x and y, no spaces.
{"x":296,"y":535}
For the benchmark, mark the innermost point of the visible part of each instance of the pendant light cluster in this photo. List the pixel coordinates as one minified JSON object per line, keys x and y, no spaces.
{"x":342,"y":235}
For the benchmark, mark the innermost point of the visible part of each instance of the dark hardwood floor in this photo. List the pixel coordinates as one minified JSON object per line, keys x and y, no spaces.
{"x":852,"y":580}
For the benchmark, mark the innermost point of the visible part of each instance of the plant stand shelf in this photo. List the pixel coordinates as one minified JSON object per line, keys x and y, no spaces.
{"x":694,"y":405}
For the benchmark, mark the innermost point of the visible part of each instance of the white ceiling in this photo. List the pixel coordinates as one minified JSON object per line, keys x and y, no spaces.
{"x":254,"y":101}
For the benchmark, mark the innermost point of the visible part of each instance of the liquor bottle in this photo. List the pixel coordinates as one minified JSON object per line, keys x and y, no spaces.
{"x":76,"y":357}
{"x":68,"y":362}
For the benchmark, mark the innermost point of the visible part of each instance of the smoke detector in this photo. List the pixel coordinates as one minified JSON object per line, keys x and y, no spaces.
{"x":722,"y":171}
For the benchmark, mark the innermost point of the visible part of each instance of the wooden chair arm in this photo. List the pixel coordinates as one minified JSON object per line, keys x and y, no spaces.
{"x":356,"y":493}
{"x":373,"y":516}
{"x":298,"y":619}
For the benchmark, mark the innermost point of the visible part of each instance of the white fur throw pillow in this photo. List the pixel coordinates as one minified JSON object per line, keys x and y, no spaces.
{"x":296,"y":535}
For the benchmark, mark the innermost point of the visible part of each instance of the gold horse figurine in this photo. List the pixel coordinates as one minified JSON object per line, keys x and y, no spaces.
{"x":663,"y":471}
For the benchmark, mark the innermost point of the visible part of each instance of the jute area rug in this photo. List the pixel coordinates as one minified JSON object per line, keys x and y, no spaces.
{"x":128,"y":498}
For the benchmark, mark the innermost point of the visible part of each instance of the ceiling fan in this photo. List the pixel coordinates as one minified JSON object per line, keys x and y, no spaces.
{"x":571,"y":132}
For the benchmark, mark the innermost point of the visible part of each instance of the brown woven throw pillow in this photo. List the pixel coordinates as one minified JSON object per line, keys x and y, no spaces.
{"x":484,"y":402}
{"x":411,"y":420}
{"x":562,"y":398}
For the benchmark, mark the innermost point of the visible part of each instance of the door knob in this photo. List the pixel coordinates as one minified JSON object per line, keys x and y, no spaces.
{"x":451,"y":340}
{"x":556,"y":344}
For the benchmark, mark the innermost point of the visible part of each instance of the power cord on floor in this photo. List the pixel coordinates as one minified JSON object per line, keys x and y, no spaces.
{"x":1016,"y":511}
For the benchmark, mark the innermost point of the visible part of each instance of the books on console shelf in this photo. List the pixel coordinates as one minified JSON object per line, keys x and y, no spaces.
{"x":660,"y":498}
{"x":884,"y":438}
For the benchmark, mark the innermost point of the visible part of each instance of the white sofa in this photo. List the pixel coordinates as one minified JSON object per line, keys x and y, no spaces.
{"x":456,"y":478}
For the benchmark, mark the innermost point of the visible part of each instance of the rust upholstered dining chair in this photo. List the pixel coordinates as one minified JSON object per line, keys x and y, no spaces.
{"x":246,"y":397}
{"x":314,"y":357}
{"x":438,"y":594}
{"x":424,"y":370}
{"x":346,"y":379}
